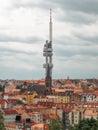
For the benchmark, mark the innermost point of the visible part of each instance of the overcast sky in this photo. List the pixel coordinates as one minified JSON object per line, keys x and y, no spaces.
{"x":24,"y":28}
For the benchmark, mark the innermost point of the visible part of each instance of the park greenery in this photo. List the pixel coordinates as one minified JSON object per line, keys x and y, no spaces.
{"x":56,"y":124}
{"x":86,"y":124}
{"x":1,"y":121}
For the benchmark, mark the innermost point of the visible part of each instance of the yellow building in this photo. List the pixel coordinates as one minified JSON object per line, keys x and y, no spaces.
{"x":50,"y":98}
{"x":58,"y":99}
{"x":63,"y":99}
{"x":30,"y":97}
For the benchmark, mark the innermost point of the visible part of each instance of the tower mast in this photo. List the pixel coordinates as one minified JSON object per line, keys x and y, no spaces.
{"x":48,"y":52}
{"x":50,"y":26}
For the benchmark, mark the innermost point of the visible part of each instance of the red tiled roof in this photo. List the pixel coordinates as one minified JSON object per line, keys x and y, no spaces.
{"x":10,"y":112}
{"x":67,"y":110}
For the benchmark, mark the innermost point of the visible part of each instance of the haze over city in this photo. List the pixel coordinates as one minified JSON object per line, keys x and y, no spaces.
{"x":24,"y":28}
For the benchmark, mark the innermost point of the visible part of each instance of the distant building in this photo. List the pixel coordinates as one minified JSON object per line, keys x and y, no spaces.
{"x":9,"y":88}
{"x":89,"y":113}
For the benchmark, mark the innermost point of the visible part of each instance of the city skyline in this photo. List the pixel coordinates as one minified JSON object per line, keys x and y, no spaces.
{"x":24,"y":28}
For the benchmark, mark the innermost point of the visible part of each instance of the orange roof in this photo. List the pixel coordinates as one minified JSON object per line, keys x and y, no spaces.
{"x":70,"y":85}
{"x":78,"y":91}
{"x":16,"y":90}
{"x":21,"y":111}
{"x":18,"y":106}
{"x":20,"y":96}
{"x":96,"y":92}
{"x":38,"y":125}
{"x":2,"y":102}
{"x":1,"y":93}
{"x":59,"y":90}
{"x":53,"y":116}
{"x":90,"y":113}
{"x":11,"y":125}
{"x":33,"y":123}
{"x":10,"y":86}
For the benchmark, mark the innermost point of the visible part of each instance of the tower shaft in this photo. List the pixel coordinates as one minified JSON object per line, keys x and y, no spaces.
{"x":48,"y":52}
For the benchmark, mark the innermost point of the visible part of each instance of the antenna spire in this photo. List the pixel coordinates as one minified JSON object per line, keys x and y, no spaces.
{"x":50,"y":14}
{"x":50,"y":24}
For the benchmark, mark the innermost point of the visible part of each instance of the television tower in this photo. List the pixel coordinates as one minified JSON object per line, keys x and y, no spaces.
{"x":48,"y":53}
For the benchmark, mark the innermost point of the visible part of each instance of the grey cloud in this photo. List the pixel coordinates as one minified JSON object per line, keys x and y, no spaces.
{"x":78,"y":18}
{"x":92,"y":40}
{"x":72,"y":47}
{"x":31,"y":40}
{"x":75,"y":40}
{"x":87,"y":6}
{"x":73,"y":52}
{"x":70,"y":8}
{"x":13,"y":73}
{"x":30,"y":4}
{"x":64,"y":52}
{"x":8,"y":52}
{"x":82,"y":52}
{"x":78,"y":12}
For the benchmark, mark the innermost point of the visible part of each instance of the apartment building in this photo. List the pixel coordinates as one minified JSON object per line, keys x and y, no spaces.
{"x":9,"y":116}
{"x":75,"y":116}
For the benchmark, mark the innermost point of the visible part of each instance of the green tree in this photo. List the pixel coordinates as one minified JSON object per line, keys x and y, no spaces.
{"x":2,"y":88}
{"x":86,"y":124}
{"x":19,"y":86}
{"x":20,"y":102}
{"x":56,"y":124}
{"x":1,"y":121}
